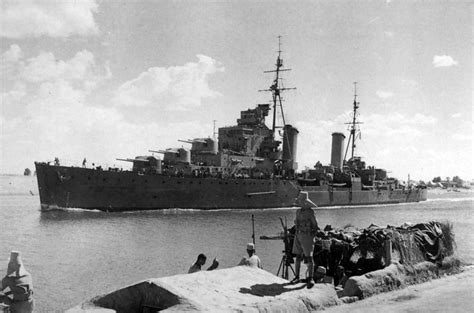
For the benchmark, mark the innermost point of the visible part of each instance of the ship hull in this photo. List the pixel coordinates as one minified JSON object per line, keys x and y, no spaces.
{"x":85,"y":188}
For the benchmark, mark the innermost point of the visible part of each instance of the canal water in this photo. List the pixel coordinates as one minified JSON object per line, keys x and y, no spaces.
{"x":74,"y":255}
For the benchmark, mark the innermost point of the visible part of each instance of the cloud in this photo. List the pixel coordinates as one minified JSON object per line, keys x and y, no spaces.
{"x":44,"y":106}
{"x":443,"y":61}
{"x":48,"y":111}
{"x":456,"y":115}
{"x":172,"y":88}
{"x":80,"y":69}
{"x":12,"y":55}
{"x":384,"y":94}
{"x":10,"y":61}
{"x":35,"y":18}
{"x":14,"y":95}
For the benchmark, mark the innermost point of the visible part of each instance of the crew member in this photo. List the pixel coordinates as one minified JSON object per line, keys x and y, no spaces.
{"x":306,"y":228}
{"x":201,"y":260}
{"x":252,"y":260}
{"x":19,"y":283}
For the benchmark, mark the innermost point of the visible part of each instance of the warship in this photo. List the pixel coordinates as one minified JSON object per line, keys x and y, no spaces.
{"x":249,"y":166}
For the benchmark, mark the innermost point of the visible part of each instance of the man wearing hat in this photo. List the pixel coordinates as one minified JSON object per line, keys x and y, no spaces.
{"x":320,"y":276}
{"x":252,"y":260}
{"x":19,"y":282}
{"x":306,"y":228}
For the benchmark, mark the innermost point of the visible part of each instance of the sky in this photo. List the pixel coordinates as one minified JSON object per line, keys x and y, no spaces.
{"x":113,"y":79}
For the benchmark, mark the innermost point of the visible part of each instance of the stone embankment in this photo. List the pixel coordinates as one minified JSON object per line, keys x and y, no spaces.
{"x":244,"y":289}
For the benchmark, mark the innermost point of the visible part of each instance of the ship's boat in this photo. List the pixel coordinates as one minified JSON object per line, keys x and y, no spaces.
{"x":248,"y":166}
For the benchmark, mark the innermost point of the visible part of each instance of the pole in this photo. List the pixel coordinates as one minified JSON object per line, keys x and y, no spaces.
{"x":253,"y":230}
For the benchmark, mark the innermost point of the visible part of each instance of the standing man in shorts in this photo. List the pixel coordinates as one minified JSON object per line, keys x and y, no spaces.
{"x":306,"y":229}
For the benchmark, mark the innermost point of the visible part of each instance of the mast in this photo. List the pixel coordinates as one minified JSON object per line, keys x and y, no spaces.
{"x":353,"y":125}
{"x":275,"y":88}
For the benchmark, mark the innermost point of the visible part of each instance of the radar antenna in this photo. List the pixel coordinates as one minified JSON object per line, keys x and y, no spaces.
{"x":275,"y":89}
{"x":353,"y":125}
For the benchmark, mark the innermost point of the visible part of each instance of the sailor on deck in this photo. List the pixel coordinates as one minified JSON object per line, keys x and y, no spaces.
{"x":306,"y":228}
{"x":20,"y":285}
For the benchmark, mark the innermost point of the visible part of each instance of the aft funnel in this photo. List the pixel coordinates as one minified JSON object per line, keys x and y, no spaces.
{"x":337,"y":152}
{"x":290,"y":141}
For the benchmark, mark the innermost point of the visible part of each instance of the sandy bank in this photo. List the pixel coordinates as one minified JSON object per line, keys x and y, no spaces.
{"x":237,"y":289}
{"x":448,"y":294}
{"x":244,"y":289}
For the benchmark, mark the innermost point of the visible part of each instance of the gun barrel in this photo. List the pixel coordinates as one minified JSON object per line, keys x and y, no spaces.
{"x":192,"y":141}
{"x":133,"y":160}
{"x":125,"y":160}
{"x":157,"y":151}
{"x":186,"y":141}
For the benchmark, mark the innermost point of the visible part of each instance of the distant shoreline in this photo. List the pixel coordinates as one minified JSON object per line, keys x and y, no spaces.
{"x":439,"y":191}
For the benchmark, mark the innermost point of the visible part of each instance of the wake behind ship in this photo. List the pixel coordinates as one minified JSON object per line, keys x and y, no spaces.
{"x":248,"y":167}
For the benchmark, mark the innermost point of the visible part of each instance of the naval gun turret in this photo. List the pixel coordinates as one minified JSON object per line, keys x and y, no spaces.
{"x":175,"y":156}
{"x":145,"y":164}
{"x":202,"y":146}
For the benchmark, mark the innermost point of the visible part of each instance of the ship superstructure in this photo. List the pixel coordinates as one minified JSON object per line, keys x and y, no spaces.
{"x":248,"y":166}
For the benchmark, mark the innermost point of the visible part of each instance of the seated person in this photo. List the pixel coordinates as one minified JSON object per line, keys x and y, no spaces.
{"x":320,"y":276}
{"x":252,"y":260}
{"x":201,"y":260}
{"x":340,"y":278}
